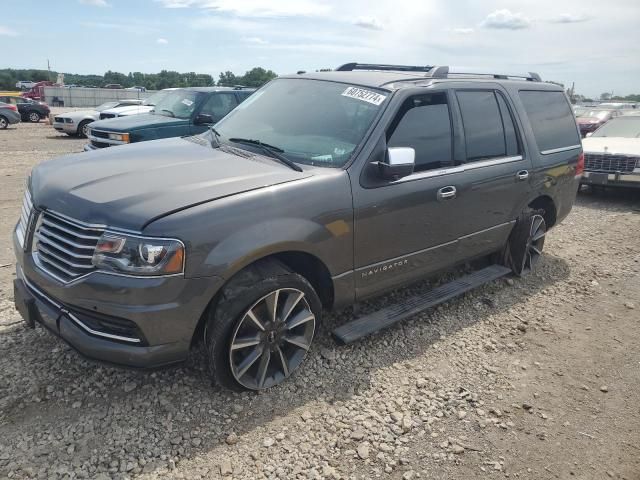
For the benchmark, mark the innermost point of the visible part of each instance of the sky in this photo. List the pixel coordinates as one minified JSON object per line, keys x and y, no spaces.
{"x":594,"y":43}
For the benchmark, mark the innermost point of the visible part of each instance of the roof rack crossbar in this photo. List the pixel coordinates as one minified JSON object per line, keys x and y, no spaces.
{"x":433,"y":71}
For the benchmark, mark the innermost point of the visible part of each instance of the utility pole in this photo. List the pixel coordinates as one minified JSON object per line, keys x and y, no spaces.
{"x":49,"y":69}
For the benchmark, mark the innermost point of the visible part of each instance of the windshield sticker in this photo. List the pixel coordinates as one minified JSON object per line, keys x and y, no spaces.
{"x":187,"y":102}
{"x":322,"y":158}
{"x":364,"y":95}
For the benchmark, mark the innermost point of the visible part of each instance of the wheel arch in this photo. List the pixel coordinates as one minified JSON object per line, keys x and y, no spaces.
{"x":546,"y":203}
{"x":306,"y":264}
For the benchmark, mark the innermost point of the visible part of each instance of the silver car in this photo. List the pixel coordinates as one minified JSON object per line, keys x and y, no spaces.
{"x":8,"y":115}
{"x":77,"y":122}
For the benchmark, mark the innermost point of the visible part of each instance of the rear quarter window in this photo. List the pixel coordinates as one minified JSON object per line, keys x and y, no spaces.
{"x":551,"y":119}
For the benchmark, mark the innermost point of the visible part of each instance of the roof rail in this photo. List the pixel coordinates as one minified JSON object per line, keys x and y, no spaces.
{"x":433,"y":71}
{"x":239,"y":87}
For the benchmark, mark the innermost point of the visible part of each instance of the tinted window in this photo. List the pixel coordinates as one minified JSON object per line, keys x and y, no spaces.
{"x":424,"y":124}
{"x":483,"y":129}
{"x":219,"y":104}
{"x":510,"y":135}
{"x":551,"y":119}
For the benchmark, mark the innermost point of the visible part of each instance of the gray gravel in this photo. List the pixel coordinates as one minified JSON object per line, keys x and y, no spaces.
{"x":497,"y":383}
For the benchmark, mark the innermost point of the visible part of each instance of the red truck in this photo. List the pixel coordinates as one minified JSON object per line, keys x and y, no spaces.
{"x":37,"y":91}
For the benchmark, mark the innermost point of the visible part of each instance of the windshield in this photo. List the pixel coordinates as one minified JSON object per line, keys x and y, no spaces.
{"x":152,"y":100}
{"x":311,"y":121}
{"x":177,"y":103}
{"x":626,"y":127}
{"x":599,"y":114}
{"x":107,"y":106}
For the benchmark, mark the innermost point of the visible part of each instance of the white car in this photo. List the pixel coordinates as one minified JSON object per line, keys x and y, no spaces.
{"x":25,"y":84}
{"x":77,"y":122}
{"x":147,"y":106}
{"x":612,"y":153}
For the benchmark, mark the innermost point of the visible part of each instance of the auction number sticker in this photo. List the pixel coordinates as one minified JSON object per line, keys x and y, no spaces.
{"x":364,"y":95}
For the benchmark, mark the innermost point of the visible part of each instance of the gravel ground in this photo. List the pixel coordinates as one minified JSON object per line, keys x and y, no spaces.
{"x":530,"y":378}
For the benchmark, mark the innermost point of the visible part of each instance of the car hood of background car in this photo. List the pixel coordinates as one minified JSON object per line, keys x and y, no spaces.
{"x":130,"y":110}
{"x":79,"y":114}
{"x":613,"y":145}
{"x":128,"y":186}
{"x":137,"y":122}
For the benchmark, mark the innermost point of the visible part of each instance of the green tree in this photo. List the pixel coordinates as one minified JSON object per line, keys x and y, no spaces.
{"x":256,"y":77}
{"x":227,"y":79}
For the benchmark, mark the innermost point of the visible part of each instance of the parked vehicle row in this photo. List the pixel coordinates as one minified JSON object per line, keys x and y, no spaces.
{"x":30,"y":110}
{"x":317,"y":191}
{"x":77,"y":122}
{"x":590,"y":119}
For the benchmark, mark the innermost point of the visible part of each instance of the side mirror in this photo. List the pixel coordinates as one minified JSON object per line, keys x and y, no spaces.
{"x":203,"y":119}
{"x":400,"y":163}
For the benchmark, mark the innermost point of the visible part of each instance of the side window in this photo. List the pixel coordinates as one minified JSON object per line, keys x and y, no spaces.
{"x":424,"y":123}
{"x":551,"y":119}
{"x":243,"y":95}
{"x":483,"y":128}
{"x":219,"y":104}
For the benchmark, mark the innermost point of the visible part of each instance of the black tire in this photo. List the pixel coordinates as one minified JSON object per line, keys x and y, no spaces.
{"x":247,"y":350}
{"x":4,"y":123}
{"x":82,"y":129}
{"x":33,"y":116}
{"x":526,"y":242}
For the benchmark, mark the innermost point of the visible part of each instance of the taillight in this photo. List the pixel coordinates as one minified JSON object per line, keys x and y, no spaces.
{"x":13,"y":107}
{"x":580,"y":164}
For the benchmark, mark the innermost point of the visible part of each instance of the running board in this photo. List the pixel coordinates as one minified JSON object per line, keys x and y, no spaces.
{"x":361,"y":327}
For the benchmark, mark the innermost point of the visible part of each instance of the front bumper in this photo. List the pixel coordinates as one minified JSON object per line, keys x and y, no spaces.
{"x":71,"y":128}
{"x":138,"y":322}
{"x":612,"y":179}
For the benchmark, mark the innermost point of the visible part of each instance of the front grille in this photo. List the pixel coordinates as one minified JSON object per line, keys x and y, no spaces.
{"x":58,"y":119}
{"x":22,"y":230}
{"x":107,"y":115}
{"x":100,"y":144}
{"x":65,"y":247}
{"x":597,"y":162}
{"x":99,"y":134}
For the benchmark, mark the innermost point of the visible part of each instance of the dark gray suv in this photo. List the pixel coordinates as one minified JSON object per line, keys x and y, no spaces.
{"x":318,"y":191}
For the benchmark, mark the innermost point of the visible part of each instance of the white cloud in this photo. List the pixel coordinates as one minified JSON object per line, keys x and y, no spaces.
{"x":162,"y":41}
{"x":370,"y":23}
{"x":506,"y":20}
{"x":95,"y":3}
{"x":570,"y":18}
{"x":6,"y":31}
{"x":255,"y":40}
{"x":462,"y":31}
{"x":255,"y":8}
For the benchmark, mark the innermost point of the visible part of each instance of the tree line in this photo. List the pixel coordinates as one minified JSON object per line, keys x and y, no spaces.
{"x":255,"y":77}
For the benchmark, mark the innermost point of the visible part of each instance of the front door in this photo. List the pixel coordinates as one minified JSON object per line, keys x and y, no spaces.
{"x":217,"y":105}
{"x":403,"y":228}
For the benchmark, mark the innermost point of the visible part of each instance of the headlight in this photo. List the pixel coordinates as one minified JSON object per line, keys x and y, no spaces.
{"x":121,"y":137}
{"x":139,"y":255}
{"x":68,"y":120}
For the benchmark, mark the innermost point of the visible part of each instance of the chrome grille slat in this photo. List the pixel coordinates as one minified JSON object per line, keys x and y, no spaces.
{"x":65,"y":247}
{"x":69,"y":231}
{"x":610,"y":163}
{"x":25,"y":216}
{"x":44,"y":232}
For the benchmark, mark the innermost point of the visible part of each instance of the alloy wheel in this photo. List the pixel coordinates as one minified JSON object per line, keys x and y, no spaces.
{"x":3,"y":123}
{"x":85,"y":129}
{"x":535,"y":243}
{"x":34,"y":117}
{"x":271,"y":339}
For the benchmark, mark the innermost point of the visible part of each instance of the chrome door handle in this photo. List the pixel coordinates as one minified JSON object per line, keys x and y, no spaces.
{"x":522,"y":175}
{"x":447,"y":193}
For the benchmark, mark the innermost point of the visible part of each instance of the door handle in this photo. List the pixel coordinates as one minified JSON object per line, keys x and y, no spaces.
{"x":522,"y":175}
{"x":447,"y":193}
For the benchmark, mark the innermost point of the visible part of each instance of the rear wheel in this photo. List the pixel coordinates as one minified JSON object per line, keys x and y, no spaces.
{"x":4,"y":123}
{"x":526,"y":242}
{"x":259,"y":332}
{"x":34,"y":117}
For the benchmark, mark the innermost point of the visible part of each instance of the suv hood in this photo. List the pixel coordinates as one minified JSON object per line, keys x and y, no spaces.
{"x":614,"y":145}
{"x":137,"y":122}
{"x":129,"y":110}
{"x":129,"y":186}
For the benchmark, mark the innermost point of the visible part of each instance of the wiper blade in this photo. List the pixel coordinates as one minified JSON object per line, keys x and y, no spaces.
{"x":270,"y":150}
{"x":215,"y":136}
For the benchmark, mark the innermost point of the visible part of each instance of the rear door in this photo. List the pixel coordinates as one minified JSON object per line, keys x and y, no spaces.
{"x":496,"y":172}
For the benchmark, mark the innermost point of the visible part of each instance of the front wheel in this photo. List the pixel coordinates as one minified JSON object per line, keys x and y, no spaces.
{"x":262,"y":327}
{"x":34,"y":117}
{"x":526,"y":242}
{"x":83,"y":129}
{"x":4,"y":123}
